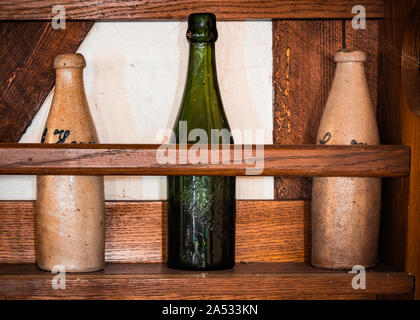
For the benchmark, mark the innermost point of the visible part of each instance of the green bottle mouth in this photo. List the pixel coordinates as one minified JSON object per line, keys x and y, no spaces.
{"x":202,"y":27}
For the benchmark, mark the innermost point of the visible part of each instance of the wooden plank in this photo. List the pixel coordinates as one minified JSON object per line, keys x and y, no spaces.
{"x":367,"y":41}
{"x":410,"y":56}
{"x":266,"y":231}
{"x":303,"y":69}
{"x":180,"y":9}
{"x":27,"y":51}
{"x":400,"y":228}
{"x":274,"y":160}
{"x":246,"y":281}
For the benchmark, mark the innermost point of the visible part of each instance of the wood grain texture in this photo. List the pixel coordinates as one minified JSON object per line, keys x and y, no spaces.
{"x":144,"y":159}
{"x":367,"y":41}
{"x":303,"y":70}
{"x":400,"y":229}
{"x":27,"y":51}
{"x":410,"y":57}
{"x":246,"y":281}
{"x":266,"y":231}
{"x":180,"y":9}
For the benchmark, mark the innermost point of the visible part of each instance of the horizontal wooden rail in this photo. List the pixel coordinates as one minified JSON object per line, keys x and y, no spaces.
{"x":180,"y":9}
{"x":148,"y":159}
{"x":244,"y":281}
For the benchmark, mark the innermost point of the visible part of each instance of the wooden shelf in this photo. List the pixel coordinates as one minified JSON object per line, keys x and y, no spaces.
{"x":245,"y":281}
{"x":278,"y":160}
{"x":180,"y":9}
{"x":273,"y":236}
{"x":272,"y":250}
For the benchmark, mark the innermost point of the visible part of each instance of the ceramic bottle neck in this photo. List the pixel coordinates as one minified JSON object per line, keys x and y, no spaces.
{"x":69,"y":80}
{"x":347,"y":71}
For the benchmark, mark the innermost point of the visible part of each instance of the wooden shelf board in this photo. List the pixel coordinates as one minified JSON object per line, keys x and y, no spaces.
{"x":276,"y":160}
{"x":156,"y":281}
{"x":180,"y":9}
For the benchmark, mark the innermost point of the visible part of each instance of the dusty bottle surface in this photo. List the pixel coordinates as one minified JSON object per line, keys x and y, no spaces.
{"x":70,"y":209}
{"x":346,"y":210}
{"x":201,"y":209}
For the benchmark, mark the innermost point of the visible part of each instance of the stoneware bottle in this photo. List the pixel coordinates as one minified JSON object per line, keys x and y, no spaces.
{"x":346,"y":211}
{"x":70,"y":209}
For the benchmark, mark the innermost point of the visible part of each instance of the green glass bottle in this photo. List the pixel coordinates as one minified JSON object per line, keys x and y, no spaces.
{"x":201,"y":209}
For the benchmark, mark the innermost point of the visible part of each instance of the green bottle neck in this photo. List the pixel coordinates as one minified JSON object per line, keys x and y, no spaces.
{"x":201,"y":74}
{"x":201,"y":106}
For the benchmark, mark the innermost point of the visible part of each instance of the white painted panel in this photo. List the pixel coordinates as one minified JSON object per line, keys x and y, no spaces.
{"x":134,"y":82}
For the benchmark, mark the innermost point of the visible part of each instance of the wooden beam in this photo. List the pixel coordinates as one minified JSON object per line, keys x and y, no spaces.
{"x":180,"y":9}
{"x":266,"y":231}
{"x":27,"y":52}
{"x":245,"y":281}
{"x":273,"y":160}
{"x":303,"y":70}
{"x":410,"y":57}
{"x":400,"y":228}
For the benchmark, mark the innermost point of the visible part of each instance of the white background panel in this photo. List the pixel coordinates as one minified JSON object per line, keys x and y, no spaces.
{"x":134,"y":82}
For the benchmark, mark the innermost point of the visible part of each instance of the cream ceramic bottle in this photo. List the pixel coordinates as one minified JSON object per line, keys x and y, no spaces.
{"x":70,"y":209}
{"x":346,"y":210}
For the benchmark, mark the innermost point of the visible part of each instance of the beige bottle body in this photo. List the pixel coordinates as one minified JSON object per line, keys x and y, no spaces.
{"x":70,"y":209}
{"x":346,"y":210}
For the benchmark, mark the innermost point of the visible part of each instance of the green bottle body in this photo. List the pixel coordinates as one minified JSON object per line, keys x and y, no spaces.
{"x":201,"y":209}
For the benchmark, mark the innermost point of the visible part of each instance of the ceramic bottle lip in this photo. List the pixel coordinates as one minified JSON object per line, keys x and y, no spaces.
{"x":348,"y":55}
{"x":69,"y":60}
